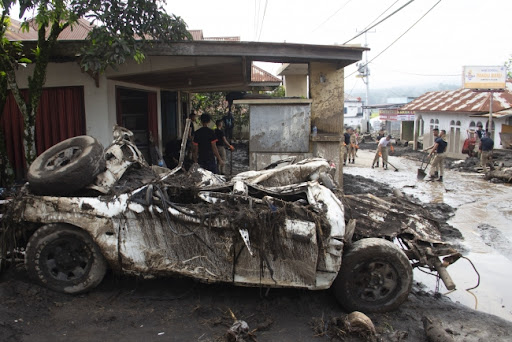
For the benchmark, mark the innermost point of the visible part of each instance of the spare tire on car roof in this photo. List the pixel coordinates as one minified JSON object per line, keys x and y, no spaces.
{"x":66,"y":167}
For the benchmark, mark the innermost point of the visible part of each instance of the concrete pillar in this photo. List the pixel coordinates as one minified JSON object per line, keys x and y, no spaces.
{"x":326,"y":84}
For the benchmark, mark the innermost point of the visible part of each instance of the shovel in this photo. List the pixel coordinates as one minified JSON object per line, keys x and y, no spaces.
{"x":421,"y":170}
{"x":396,"y":170}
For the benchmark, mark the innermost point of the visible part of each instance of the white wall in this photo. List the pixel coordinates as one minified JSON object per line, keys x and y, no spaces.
{"x":100,"y":102}
{"x":465,"y":119}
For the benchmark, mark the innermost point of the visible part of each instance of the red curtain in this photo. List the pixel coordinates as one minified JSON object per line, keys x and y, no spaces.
{"x":152,"y":116}
{"x":12,"y":126}
{"x":61,"y":115}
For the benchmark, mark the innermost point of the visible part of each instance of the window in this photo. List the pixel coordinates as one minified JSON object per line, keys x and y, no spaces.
{"x":345,"y":110}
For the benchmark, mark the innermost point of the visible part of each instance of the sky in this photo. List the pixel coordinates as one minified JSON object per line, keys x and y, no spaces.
{"x":453,"y":34}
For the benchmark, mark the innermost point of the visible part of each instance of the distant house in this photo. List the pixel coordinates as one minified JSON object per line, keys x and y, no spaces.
{"x":154,"y":96}
{"x":353,"y":111}
{"x":398,"y":123}
{"x":458,"y":111}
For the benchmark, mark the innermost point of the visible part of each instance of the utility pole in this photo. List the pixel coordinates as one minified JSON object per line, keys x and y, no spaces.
{"x":364,"y":73}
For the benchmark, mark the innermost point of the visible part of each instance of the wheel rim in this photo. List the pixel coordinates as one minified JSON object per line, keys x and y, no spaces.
{"x":375,"y":281}
{"x":67,"y":259}
{"x":63,"y":158}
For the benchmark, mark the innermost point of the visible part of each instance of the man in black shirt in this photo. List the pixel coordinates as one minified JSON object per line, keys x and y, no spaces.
{"x":346,"y":145}
{"x":438,"y":151}
{"x":229,"y":124}
{"x":486,"y":147}
{"x":205,"y":142}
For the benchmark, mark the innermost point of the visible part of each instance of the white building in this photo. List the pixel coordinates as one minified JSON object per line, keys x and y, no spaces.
{"x":458,"y":111}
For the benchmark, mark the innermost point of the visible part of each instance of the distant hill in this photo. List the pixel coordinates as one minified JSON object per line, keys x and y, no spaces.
{"x":380,"y":96}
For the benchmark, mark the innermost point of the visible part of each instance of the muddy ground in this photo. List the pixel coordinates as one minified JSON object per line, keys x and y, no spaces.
{"x":179,"y":309}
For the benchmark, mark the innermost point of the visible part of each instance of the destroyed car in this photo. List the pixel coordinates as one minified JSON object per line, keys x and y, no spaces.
{"x":284,"y":226}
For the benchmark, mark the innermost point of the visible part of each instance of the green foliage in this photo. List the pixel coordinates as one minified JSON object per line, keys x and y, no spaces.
{"x":131,"y":26}
{"x":216,"y":105}
{"x":125,"y":29}
{"x":508,"y":65}
{"x":278,"y":92}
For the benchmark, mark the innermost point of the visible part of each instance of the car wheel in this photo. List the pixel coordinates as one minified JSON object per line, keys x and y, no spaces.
{"x":375,"y":276}
{"x":64,"y":258}
{"x":67,"y":166}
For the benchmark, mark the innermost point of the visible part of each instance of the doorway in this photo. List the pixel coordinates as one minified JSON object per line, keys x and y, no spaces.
{"x":137,"y":111}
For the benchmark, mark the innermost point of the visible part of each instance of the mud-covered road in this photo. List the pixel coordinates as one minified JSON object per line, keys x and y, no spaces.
{"x":169,"y":309}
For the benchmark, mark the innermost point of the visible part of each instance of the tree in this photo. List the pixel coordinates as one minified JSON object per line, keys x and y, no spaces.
{"x":125,"y":28}
{"x":508,"y":65}
{"x":278,"y":92}
{"x":216,"y":105}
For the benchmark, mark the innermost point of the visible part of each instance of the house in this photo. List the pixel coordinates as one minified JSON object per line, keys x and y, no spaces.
{"x":154,"y":97}
{"x":353,"y":111}
{"x":459,"y":111}
{"x":398,"y":123}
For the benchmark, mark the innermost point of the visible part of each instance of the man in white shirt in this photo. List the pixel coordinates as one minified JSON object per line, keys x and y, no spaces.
{"x":382,"y":150}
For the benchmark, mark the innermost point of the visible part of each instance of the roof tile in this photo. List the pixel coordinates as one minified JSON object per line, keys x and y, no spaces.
{"x":460,"y":100}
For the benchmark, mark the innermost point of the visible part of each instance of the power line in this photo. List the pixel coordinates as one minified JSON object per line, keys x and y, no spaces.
{"x":380,"y":15}
{"x":256,"y":17}
{"x":263,"y":19}
{"x":369,"y":28}
{"x":417,"y":21}
{"x":332,"y":15}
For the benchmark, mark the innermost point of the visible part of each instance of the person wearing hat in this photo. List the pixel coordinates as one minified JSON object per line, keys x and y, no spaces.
{"x":205,"y":142}
{"x":435,"y":132}
{"x":382,"y":151}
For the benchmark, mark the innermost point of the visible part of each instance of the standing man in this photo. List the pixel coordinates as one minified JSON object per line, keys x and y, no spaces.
{"x":229,"y":124}
{"x":352,"y":148}
{"x":382,"y":150}
{"x":486,"y":147}
{"x":205,"y":142}
{"x":435,"y":131}
{"x":222,"y":143}
{"x":346,"y":144}
{"x":438,"y":152}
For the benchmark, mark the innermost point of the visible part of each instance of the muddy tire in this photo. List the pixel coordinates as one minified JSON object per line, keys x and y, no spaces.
{"x":66,"y":167}
{"x":375,"y":276}
{"x":64,"y":258}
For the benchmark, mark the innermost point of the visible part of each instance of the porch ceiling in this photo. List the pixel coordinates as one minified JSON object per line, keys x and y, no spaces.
{"x":225,"y":76}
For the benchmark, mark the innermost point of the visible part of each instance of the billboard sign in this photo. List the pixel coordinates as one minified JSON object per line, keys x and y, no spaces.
{"x":484,"y":77}
{"x":396,"y":115}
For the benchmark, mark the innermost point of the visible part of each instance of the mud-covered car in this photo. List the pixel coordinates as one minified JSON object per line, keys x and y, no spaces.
{"x":85,"y":210}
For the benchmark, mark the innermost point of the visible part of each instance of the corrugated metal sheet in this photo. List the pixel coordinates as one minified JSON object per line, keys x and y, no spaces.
{"x":461,"y":100}
{"x":260,"y":75}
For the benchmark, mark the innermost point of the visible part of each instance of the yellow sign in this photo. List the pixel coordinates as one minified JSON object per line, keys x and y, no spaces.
{"x":484,"y":77}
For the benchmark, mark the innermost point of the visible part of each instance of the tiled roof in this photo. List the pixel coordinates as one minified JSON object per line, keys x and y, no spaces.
{"x":260,"y":75}
{"x":82,"y":29}
{"x":461,"y":100}
{"x":196,"y":34}
{"x":223,"y":39}
{"x":79,"y":31}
